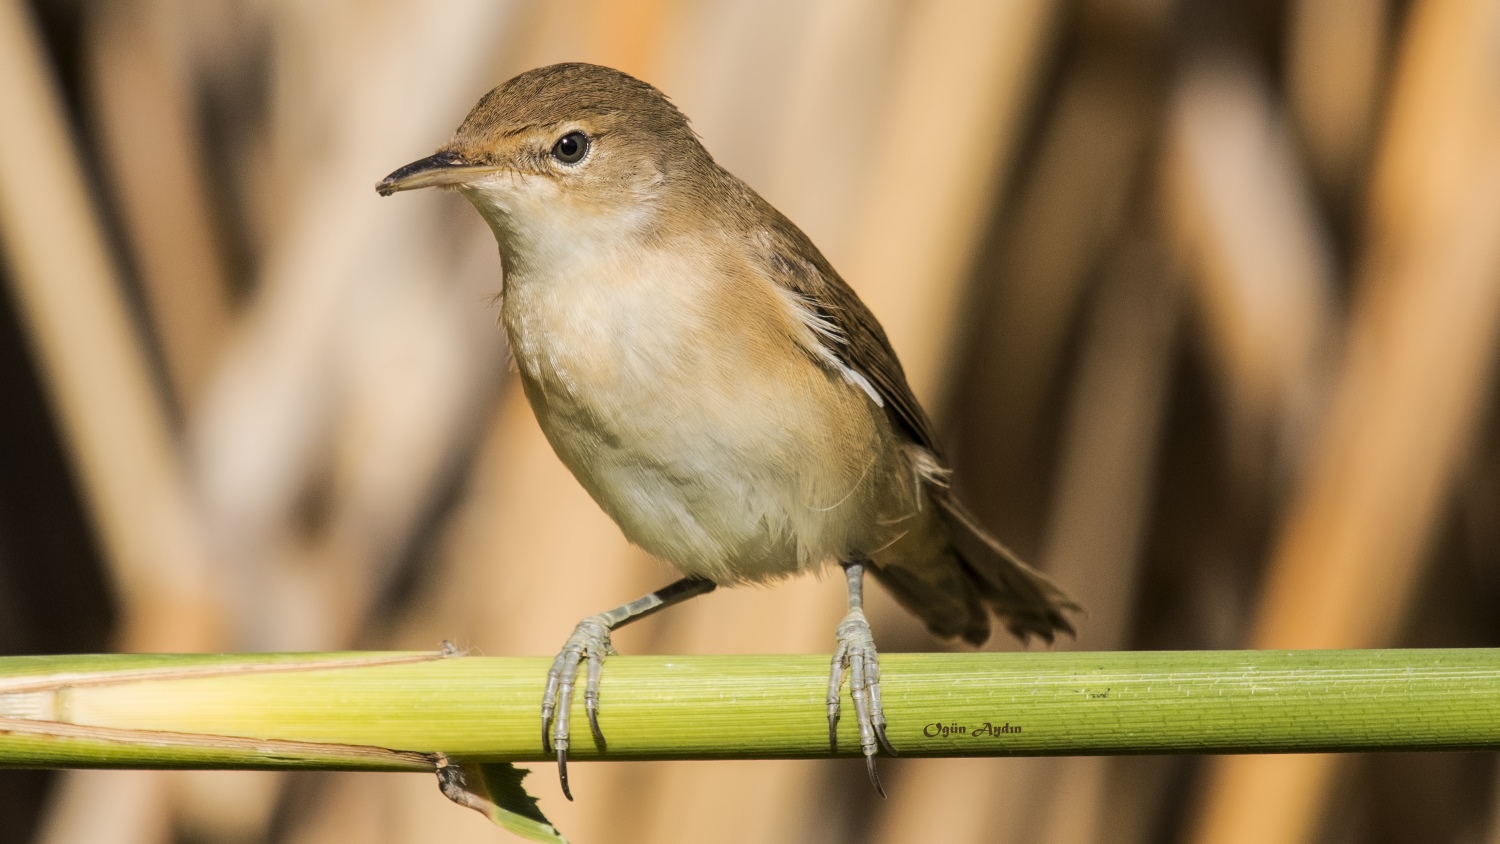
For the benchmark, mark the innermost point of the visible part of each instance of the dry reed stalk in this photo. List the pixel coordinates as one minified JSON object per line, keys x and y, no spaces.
{"x":1070,"y":204}
{"x":970,"y":67}
{"x":1415,"y":374}
{"x":420,"y":368}
{"x":1110,"y":442}
{"x":1334,"y":62}
{"x":141,"y":103}
{"x":66,"y":286}
{"x":1247,"y":230}
{"x":128,"y":807}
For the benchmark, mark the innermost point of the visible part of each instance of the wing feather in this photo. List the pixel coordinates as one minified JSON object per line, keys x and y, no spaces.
{"x":849,"y":331}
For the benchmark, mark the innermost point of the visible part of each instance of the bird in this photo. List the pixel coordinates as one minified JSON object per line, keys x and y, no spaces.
{"x":713,"y":383}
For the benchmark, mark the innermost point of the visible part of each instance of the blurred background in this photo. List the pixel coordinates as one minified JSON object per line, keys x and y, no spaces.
{"x":1203,"y":295}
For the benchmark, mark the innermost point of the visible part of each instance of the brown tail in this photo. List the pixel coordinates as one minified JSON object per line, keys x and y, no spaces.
{"x":951,"y":574}
{"x":942,"y":593}
{"x":1024,"y":599}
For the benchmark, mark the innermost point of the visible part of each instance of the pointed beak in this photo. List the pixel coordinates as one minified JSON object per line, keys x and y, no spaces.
{"x":438,"y":170}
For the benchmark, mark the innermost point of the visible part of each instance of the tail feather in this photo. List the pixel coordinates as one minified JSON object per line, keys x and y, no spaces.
{"x":1025,"y":600}
{"x":943,"y":596}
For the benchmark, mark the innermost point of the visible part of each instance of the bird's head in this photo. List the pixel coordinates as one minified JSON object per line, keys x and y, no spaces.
{"x":561,"y":153}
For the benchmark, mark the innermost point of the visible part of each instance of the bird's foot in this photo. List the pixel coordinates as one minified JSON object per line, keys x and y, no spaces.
{"x":856,"y":652}
{"x":590,"y":640}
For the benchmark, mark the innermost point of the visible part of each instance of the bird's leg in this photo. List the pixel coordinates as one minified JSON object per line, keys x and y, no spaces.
{"x":590,"y":640}
{"x":856,"y":650}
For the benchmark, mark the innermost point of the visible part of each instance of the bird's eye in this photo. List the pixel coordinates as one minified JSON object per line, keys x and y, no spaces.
{"x":571,"y":148}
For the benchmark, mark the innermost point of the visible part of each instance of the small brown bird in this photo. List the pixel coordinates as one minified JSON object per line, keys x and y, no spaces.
{"x":711,"y":381}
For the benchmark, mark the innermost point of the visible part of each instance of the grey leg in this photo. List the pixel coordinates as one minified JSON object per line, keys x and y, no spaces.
{"x":590,"y":640}
{"x":856,"y":650}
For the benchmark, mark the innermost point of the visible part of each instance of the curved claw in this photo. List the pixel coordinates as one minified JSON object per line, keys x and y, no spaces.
{"x":562,"y":771}
{"x":874,"y":776}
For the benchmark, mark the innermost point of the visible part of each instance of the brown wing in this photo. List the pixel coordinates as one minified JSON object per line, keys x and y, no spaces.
{"x":855,"y":338}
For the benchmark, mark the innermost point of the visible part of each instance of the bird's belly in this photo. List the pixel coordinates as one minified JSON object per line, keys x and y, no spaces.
{"x":700,"y":514}
{"x":727,"y":486}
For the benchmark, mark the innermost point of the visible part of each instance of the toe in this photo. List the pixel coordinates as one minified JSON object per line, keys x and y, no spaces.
{"x":835,"y":690}
{"x":591,"y":697}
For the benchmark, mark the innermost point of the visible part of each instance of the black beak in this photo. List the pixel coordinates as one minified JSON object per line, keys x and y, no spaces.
{"x":443,"y":168}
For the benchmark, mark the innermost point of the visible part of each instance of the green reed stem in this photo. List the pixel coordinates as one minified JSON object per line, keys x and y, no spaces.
{"x":350,"y":711}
